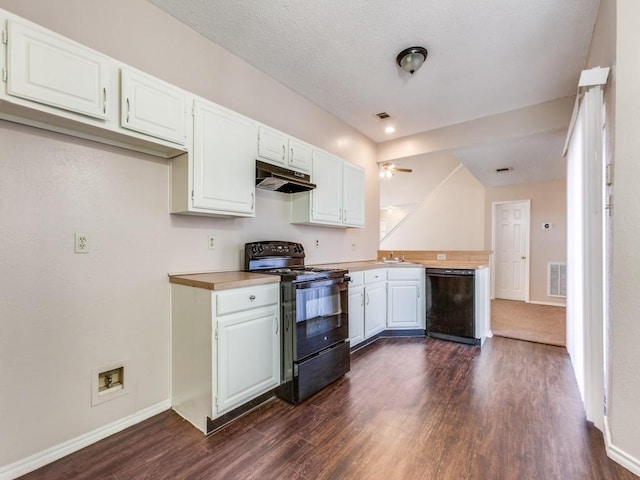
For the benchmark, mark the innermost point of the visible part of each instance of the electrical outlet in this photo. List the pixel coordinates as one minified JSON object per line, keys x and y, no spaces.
{"x":212,"y":242}
{"x":353,"y":247}
{"x":82,"y":243}
{"x":317,"y":243}
{"x":441,"y":256}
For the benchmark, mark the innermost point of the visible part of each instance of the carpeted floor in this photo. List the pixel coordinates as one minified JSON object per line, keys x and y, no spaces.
{"x":528,"y":321}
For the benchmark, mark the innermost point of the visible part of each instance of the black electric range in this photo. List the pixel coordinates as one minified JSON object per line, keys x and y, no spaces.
{"x":314,"y":317}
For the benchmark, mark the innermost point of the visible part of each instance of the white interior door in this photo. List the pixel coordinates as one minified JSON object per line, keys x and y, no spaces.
{"x":511,"y":247}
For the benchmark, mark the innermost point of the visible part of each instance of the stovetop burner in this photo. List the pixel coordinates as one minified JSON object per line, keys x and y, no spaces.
{"x":285,"y":259}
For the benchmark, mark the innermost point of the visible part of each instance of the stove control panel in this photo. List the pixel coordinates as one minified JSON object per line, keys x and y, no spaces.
{"x":273,"y":249}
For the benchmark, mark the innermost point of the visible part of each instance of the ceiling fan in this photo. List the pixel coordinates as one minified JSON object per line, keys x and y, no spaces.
{"x":387,"y":170}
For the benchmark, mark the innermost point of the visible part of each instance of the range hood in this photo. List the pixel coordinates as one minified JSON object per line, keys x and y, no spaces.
{"x":279,"y":179}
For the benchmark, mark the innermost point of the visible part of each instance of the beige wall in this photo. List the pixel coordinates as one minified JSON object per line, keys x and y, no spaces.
{"x":548,"y":204}
{"x":64,"y":314}
{"x":449,"y":217}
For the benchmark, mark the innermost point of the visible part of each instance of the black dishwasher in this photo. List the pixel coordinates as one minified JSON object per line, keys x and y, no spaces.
{"x":451,"y":304}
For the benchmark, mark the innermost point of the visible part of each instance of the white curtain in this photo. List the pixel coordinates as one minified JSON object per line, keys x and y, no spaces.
{"x":585,"y":291}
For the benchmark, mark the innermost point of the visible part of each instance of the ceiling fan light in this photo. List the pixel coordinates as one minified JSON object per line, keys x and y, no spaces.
{"x":411,"y":59}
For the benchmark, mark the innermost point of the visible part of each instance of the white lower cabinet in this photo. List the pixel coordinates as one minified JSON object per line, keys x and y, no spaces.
{"x":367,"y":304}
{"x":248,"y":356}
{"x":375,"y":302}
{"x":406,"y":300}
{"x":356,"y":308}
{"x":225,"y":349}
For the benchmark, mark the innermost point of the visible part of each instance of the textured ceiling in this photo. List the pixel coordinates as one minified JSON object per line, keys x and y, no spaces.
{"x":532,"y":158}
{"x":484,"y":57}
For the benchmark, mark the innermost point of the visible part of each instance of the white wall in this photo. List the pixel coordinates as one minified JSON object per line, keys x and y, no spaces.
{"x":65,"y":314}
{"x":624,"y":393}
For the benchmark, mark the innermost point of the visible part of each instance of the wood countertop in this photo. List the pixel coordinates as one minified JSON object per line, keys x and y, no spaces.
{"x":238,"y":279}
{"x":223,"y":280}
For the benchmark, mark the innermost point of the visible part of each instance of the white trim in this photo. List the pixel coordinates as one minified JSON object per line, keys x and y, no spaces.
{"x":588,"y":78}
{"x":617,"y":455}
{"x":594,"y":76}
{"x":550,"y":304}
{"x":56,"y":452}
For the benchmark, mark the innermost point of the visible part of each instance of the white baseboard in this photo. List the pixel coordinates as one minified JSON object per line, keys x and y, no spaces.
{"x":617,"y":455}
{"x":56,"y":452}
{"x":551,"y":304}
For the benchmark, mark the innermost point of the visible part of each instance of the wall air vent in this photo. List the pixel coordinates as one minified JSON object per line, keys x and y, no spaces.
{"x":383,"y":115}
{"x":557,"y":279}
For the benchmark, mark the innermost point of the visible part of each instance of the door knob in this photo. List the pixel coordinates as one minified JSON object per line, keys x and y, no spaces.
{"x":523,"y":258}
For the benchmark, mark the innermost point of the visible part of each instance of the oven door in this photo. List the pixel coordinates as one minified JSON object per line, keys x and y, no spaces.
{"x":321,"y":316}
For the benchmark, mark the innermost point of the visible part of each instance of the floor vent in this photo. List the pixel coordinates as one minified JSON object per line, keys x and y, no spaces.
{"x":557,"y":279}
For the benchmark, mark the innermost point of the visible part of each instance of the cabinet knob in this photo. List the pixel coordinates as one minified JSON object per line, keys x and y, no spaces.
{"x":252,"y":297}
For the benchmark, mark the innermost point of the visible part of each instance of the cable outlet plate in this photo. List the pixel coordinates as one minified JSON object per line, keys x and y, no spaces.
{"x":81,"y":243}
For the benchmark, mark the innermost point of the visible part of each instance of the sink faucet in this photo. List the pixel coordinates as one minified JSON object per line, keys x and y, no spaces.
{"x":402,"y":257}
{"x":391,"y":256}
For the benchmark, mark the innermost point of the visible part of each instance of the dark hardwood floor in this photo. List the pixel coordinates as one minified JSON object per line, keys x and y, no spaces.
{"x":411,"y":408}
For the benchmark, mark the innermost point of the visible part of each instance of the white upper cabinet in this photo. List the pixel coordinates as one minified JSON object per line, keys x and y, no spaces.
{"x":47,"y":68}
{"x":272,"y":146}
{"x":326,"y":198}
{"x":280,"y":149}
{"x":353,"y":195}
{"x":152,"y":107}
{"x":54,"y":83}
{"x":224,"y":153}
{"x":300,"y":155}
{"x":339,"y":197}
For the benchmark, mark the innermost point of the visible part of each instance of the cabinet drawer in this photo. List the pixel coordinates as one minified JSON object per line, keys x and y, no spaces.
{"x":357,"y":279}
{"x":240,"y":299}
{"x":376,"y":275}
{"x":399,"y":273}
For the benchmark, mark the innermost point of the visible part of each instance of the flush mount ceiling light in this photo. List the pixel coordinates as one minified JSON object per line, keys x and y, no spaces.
{"x":412,"y":58}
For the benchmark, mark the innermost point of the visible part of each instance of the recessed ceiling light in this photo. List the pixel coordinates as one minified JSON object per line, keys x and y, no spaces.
{"x":389,"y":129}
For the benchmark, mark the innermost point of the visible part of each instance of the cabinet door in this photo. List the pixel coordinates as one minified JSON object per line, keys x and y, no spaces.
{"x":375,"y":308}
{"x":224,"y":153}
{"x":152,"y":107}
{"x":272,"y":145}
{"x":403,"y":304}
{"x":300,"y":155}
{"x":356,"y":315}
{"x":326,"y":198}
{"x":248,"y":357}
{"x":353,"y":195}
{"x":47,"y":68}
